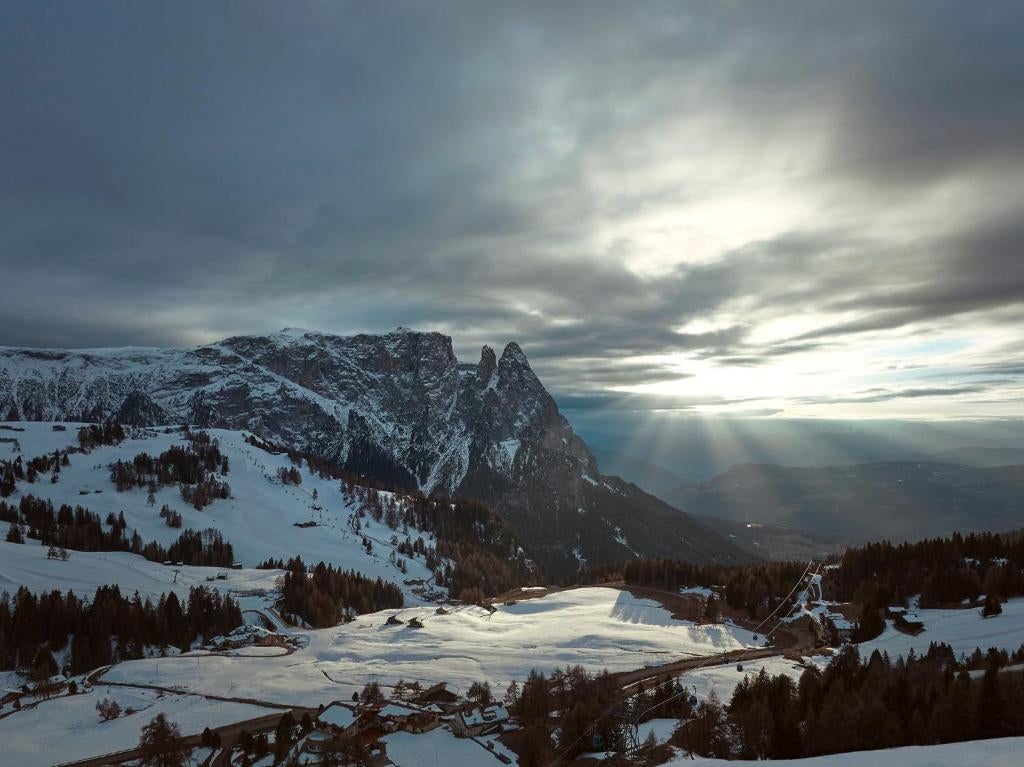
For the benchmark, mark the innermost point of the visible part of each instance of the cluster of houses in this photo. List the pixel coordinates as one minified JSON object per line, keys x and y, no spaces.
{"x":904,"y":620}
{"x":368,"y":724}
{"x":248,"y":635}
{"x":838,"y":628}
{"x":12,"y":698}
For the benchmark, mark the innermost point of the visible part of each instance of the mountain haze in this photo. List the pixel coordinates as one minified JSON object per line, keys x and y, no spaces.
{"x":896,"y":500}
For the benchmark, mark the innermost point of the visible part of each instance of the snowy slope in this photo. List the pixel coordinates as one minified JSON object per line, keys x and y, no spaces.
{"x":32,"y":438}
{"x":597,"y":628}
{"x":68,"y":728}
{"x":27,"y":565}
{"x":722,"y":680}
{"x":437,"y":747}
{"x":963,"y":630}
{"x":1002,"y":752}
{"x":258,"y":520}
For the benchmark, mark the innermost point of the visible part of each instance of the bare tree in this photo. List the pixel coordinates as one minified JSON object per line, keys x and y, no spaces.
{"x":109,"y":709}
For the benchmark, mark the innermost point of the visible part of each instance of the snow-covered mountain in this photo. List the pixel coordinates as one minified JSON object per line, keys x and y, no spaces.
{"x":398,"y":407}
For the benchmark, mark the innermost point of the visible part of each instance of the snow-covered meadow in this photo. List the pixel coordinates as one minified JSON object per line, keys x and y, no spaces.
{"x":597,"y":628}
{"x":722,"y":680}
{"x":85,"y":571}
{"x":962,"y":629}
{"x":69,"y":728}
{"x":1002,"y":752}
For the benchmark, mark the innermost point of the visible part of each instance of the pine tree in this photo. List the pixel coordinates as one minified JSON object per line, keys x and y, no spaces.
{"x":14,"y":534}
{"x":43,"y":666}
{"x":712,"y":610}
{"x":160,"y":746}
{"x":992,"y":606}
{"x":989,"y":704}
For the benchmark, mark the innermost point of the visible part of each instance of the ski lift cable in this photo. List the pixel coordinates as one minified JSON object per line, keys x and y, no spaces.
{"x":743,"y":655}
{"x":609,"y":710}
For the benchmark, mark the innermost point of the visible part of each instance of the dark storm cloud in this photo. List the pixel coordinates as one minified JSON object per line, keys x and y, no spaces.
{"x":178,"y":172}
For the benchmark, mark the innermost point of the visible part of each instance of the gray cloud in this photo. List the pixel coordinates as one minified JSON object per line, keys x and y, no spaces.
{"x":175,"y":173}
{"x":886,"y":395}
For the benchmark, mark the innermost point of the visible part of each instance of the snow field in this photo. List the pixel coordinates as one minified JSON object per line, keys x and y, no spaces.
{"x":68,"y":728}
{"x":598,"y":628}
{"x":85,"y":571}
{"x":258,"y":520}
{"x":1002,"y":752}
{"x":963,"y":630}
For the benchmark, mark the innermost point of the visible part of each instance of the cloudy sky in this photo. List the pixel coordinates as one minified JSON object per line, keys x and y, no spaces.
{"x":801,"y":208}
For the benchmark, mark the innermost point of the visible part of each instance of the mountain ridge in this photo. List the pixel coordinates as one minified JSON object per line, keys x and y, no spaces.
{"x":398,"y":407}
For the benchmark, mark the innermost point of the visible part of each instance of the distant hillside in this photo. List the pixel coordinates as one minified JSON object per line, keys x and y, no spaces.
{"x":650,"y":476}
{"x":772,"y":541}
{"x":894,"y":500}
{"x":982,"y":456}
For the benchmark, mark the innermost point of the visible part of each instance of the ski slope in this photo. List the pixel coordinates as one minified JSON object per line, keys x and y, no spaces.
{"x":35,"y":438}
{"x":85,"y":571}
{"x":258,"y":520}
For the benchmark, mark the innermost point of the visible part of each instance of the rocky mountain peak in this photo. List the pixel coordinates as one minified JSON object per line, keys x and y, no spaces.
{"x":513,"y":355}
{"x":487,"y":365}
{"x":396,"y":407}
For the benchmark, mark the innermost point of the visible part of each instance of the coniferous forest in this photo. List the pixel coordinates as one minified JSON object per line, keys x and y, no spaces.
{"x":107,"y":628}
{"x":855,"y":704}
{"x":323,"y":595}
{"x":942,"y":570}
{"x":79,"y":529}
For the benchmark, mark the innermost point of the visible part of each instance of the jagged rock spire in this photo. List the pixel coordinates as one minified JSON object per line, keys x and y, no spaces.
{"x":487,"y":365}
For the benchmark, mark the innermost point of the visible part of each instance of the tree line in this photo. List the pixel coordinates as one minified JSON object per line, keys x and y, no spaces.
{"x":942,"y":570}
{"x":856,"y":704}
{"x":756,"y":588}
{"x":324,"y":595}
{"x":97,"y":434}
{"x":475,"y":555}
{"x":108,"y":628}
{"x":82,"y":530}
{"x":194,"y":468}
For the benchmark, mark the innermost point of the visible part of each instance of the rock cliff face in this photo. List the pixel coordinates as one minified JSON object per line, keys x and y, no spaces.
{"x":398,"y":407}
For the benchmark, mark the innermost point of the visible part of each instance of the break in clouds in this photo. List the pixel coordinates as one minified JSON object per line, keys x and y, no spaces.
{"x":811,"y":209}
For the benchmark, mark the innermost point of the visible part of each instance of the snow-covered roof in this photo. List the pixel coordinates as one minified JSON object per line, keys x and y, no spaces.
{"x":489,"y":715}
{"x":397,"y":709}
{"x":337,"y":715}
{"x":702,"y":591}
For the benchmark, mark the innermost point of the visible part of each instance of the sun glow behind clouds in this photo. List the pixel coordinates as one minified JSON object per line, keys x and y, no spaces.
{"x":897,"y":375}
